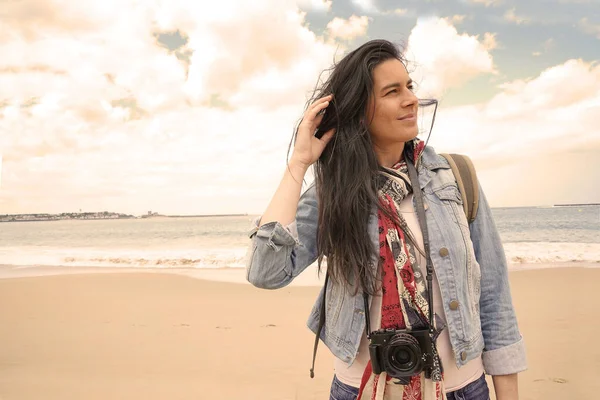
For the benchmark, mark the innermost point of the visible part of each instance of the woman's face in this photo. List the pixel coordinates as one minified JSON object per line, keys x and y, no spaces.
{"x":392,"y":112}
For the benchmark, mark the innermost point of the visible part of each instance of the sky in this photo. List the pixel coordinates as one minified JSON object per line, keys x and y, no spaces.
{"x":183,"y":107}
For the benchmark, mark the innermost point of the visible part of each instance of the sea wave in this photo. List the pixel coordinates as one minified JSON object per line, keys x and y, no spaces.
{"x":77,"y":257}
{"x":235,"y":257}
{"x":550,"y":252}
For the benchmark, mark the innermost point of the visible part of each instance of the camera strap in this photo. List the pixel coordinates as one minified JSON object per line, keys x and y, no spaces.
{"x":418,"y":194}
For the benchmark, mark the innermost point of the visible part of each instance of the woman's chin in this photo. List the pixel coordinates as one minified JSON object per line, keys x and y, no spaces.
{"x":409,"y":134}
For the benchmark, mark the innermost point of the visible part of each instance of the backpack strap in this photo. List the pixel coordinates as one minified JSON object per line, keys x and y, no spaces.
{"x":466,"y":178}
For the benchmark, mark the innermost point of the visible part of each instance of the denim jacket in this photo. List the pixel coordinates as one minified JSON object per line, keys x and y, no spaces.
{"x":468,"y":259}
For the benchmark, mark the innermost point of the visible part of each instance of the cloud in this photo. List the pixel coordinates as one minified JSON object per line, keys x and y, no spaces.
{"x":31,"y":68}
{"x":28,"y":19}
{"x":590,"y":28}
{"x":543,"y":119}
{"x":546,"y":47}
{"x":269,"y":66}
{"x":552,"y":112}
{"x":366,"y":6}
{"x":489,"y":41}
{"x":445,"y":58}
{"x":487,"y":3}
{"x":457,"y":19}
{"x":397,"y":11}
{"x":315,"y":5}
{"x":348,"y":29}
{"x":511,"y":16}
{"x":548,"y":44}
{"x":549,"y":91}
{"x":166,"y":107}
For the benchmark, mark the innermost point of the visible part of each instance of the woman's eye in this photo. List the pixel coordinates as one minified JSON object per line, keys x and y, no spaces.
{"x":392,"y":91}
{"x":411,"y":87}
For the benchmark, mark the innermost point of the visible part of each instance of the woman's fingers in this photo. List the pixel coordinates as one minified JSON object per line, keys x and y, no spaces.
{"x":321,"y":100}
{"x":327,"y":136}
{"x":318,"y":108}
{"x":319,"y":118}
{"x":318,"y":105}
{"x":313,"y":116}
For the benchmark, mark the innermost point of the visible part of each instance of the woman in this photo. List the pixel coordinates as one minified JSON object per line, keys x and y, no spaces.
{"x":397,"y":259}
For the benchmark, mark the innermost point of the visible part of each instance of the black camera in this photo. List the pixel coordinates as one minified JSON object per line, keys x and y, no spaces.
{"x":401,"y":353}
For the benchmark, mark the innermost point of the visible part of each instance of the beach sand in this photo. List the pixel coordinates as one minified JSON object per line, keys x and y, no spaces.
{"x":137,"y":335}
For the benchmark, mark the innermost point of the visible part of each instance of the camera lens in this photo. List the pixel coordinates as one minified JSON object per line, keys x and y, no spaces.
{"x":403,"y":356}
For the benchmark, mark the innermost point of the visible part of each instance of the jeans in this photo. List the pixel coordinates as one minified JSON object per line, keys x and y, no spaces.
{"x":341,"y":391}
{"x":477,"y":390}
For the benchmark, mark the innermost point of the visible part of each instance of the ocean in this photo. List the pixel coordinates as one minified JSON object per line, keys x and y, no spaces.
{"x":531,"y":236}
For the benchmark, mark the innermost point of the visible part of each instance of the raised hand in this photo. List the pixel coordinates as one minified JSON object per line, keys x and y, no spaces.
{"x":308,"y":147}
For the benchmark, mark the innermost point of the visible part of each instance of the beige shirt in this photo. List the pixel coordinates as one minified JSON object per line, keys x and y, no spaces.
{"x":454,"y":378}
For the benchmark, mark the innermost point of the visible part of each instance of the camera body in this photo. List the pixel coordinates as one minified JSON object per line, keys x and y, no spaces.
{"x":401,"y":353}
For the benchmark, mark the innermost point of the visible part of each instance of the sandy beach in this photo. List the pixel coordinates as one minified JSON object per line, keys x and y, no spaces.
{"x":136,"y":335}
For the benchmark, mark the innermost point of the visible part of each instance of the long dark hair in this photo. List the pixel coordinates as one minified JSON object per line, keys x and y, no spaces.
{"x":346,"y":174}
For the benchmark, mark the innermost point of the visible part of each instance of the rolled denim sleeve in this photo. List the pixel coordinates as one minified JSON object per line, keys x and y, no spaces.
{"x":277,"y":254}
{"x":504,"y":351}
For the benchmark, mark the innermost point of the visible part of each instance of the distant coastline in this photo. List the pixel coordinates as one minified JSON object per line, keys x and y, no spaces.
{"x":577,"y":205}
{"x":157,"y":215}
{"x":103,"y":215}
{"x":63,"y":216}
{"x":206,"y":215}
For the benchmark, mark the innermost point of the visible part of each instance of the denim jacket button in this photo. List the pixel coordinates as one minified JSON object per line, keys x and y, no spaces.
{"x":444,"y":252}
{"x":463,"y":355}
{"x":454,"y":305}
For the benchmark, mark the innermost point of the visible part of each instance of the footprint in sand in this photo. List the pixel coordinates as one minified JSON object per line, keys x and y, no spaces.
{"x":559,"y":380}
{"x":555,"y":380}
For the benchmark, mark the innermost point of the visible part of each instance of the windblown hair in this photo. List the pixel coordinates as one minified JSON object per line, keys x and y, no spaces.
{"x":346,"y":174}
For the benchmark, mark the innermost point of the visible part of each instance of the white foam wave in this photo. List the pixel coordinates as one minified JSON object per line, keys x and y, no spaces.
{"x":546,"y":252}
{"x":79,"y":257}
{"x":516,"y":253}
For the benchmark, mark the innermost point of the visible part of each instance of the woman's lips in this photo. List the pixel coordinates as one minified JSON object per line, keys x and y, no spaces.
{"x":408,"y":117}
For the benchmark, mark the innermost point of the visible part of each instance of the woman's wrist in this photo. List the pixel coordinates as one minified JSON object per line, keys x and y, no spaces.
{"x":506,"y":386}
{"x":297,"y":169}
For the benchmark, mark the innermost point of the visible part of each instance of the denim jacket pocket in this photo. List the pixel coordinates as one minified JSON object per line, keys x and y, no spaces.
{"x":451,"y":198}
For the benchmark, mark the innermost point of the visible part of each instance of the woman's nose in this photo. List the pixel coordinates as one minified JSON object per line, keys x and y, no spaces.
{"x":410,"y":100}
